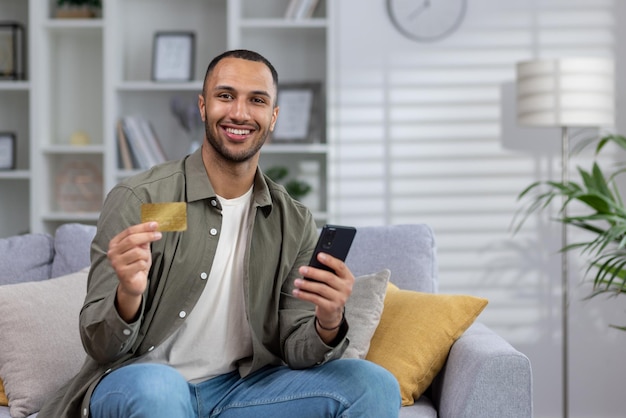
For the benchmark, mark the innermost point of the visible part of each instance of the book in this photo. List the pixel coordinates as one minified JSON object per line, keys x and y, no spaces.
{"x":159,"y":145}
{"x":157,"y":154}
{"x":305,"y":9}
{"x":143,"y":147}
{"x":290,"y":12}
{"x":125,"y":160}
{"x":311,"y":9}
{"x":137,"y":143}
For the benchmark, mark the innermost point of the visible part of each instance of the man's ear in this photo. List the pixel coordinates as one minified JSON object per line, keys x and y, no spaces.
{"x":201,"y":106}
{"x":274,"y":118}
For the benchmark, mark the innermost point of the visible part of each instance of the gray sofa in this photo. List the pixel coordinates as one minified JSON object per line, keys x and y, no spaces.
{"x":483,"y":376}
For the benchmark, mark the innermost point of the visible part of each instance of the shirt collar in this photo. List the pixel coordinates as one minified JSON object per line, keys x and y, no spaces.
{"x":199,"y":187}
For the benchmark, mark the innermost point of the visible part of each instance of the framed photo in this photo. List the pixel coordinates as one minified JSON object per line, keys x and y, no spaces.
{"x":301,"y":117}
{"x":12,"y":54}
{"x":173,"y":56}
{"x":7,"y":151}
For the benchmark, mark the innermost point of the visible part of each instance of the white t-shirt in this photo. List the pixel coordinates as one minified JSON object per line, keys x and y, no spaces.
{"x":216,"y":334}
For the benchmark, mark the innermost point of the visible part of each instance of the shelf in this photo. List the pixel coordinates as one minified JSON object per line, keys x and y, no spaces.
{"x":71,"y":216}
{"x":73,"y":149}
{"x":73,"y":24}
{"x":14,"y":175}
{"x":159,"y":86}
{"x":272,"y":148}
{"x":14,"y":85}
{"x":320,"y":216}
{"x":122,"y":174}
{"x":281,"y":23}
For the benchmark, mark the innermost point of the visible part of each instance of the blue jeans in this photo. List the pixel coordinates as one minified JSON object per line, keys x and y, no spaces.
{"x":340,"y":388}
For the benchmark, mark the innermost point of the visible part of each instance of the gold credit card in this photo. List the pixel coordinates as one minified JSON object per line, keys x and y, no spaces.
{"x":171,"y":216}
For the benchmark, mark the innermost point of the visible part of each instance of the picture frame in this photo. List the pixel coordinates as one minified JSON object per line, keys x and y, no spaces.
{"x":12,"y":51}
{"x":8,"y":151}
{"x":173,"y":56}
{"x":301,"y":116}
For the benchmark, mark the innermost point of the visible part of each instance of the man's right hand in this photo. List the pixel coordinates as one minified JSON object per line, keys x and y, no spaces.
{"x":130,"y":256}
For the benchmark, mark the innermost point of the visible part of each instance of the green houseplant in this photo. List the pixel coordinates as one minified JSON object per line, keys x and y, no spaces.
{"x":78,"y":8}
{"x":296,"y":188}
{"x":604,"y":217}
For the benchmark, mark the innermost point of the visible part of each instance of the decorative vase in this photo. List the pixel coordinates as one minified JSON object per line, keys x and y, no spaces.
{"x":69,"y":11}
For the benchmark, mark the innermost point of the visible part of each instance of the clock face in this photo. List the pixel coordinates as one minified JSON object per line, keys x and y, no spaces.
{"x":426,"y":20}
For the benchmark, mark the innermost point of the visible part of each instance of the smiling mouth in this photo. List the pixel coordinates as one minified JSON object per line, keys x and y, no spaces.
{"x":238,"y":131}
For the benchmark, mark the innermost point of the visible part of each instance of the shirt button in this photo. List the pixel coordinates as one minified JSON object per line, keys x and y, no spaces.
{"x":182,"y":314}
{"x":203,"y":275}
{"x":85,"y":411}
{"x":213,"y":231}
{"x":213,"y":202}
{"x":151,"y":348}
{"x":126,"y":332}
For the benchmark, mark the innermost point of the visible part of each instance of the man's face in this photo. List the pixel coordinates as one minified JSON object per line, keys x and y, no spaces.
{"x":237,"y":107}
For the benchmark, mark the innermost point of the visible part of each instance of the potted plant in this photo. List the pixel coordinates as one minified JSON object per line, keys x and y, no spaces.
{"x":296,"y":188}
{"x":604,"y":217}
{"x":78,"y":8}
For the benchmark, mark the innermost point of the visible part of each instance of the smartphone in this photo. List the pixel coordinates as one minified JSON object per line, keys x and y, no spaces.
{"x":334,"y":240}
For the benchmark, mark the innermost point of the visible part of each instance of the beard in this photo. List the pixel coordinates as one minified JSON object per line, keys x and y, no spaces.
{"x":232,"y":156}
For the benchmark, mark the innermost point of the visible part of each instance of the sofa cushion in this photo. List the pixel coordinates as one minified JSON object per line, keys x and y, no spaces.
{"x":25,"y":258}
{"x":363,"y":311}
{"x":40,"y":348}
{"x":4,"y":401}
{"x":408,"y":250}
{"x":72,"y":243}
{"x":415,"y":333}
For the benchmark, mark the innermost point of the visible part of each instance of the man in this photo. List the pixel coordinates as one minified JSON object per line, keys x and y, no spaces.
{"x":218,"y":320}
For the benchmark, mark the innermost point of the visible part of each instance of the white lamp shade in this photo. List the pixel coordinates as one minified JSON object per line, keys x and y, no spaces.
{"x":566,"y":92}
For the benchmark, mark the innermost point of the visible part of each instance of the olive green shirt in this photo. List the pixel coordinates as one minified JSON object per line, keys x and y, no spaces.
{"x":282,"y":239}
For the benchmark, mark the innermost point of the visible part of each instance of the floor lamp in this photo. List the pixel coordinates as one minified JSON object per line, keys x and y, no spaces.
{"x":565,"y":93}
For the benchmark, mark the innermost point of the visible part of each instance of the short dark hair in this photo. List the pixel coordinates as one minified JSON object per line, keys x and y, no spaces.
{"x":243,"y":54}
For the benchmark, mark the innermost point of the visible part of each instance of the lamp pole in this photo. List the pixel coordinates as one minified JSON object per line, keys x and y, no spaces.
{"x":565,"y":93}
{"x":564,"y":273}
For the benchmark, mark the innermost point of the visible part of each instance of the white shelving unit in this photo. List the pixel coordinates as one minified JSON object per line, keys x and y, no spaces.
{"x":85,"y":74}
{"x":67,"y":67}
{"x":299,"y":49}
{"x":15,"y":103}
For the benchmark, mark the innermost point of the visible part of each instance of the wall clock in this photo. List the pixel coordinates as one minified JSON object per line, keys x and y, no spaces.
{"x":426,"y":20}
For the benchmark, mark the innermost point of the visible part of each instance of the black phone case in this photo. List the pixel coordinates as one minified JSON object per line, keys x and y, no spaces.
{"x":335,"y":240}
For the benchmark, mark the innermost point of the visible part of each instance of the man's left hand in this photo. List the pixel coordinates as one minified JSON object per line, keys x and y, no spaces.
{"x":328,"y":291}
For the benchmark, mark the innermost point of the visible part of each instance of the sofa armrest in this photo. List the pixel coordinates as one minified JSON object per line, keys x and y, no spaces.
{"x":484,"y":376}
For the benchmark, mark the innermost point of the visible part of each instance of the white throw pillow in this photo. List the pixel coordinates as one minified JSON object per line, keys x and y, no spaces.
{"x":363,"y":311}
{"x":40,"y":347}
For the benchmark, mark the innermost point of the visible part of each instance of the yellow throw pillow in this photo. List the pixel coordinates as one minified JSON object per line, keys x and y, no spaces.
{"x":416,"y":332}
{"x":4,"y":401}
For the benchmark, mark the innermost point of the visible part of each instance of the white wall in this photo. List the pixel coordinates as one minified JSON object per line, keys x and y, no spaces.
{"x":421,"y":136}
